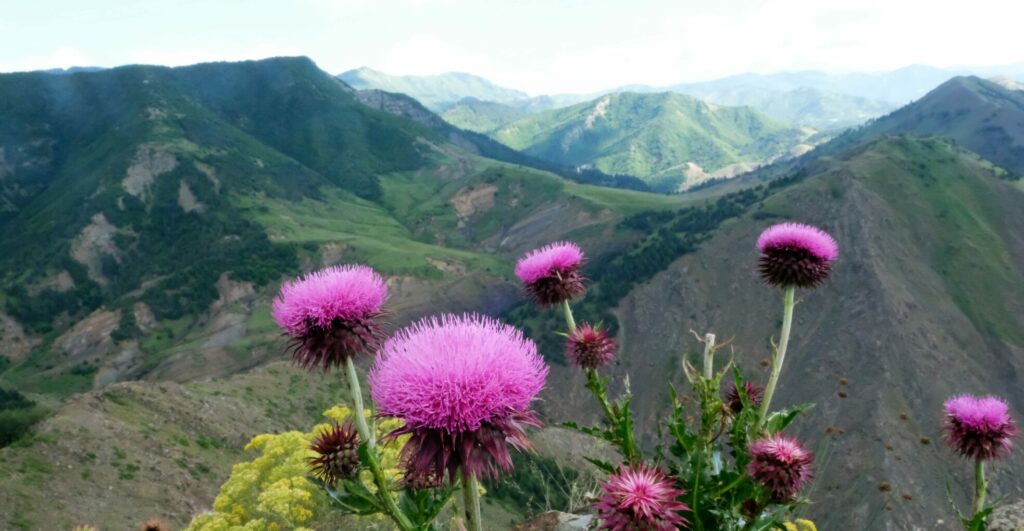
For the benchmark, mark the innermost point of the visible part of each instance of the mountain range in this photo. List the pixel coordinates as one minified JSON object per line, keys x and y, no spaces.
{"x":150,"y":213}
{"x":433,"y":91}
{"x":821,"y":100}
{"x":670,"y":140}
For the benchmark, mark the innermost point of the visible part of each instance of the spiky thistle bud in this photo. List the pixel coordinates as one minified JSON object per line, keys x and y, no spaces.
{"x":640,"y":497}
{"x":337,"y":454}
{"x":590,"y":347}
{"x":754,"y":392}
{"x":153,"y":524}
{"x":781,"y":465}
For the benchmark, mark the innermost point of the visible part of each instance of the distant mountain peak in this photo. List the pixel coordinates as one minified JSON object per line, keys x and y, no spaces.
{"x":437,"y":91}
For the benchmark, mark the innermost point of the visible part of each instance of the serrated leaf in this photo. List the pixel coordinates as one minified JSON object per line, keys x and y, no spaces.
{"x":778,"y":420}
{"x":605,"y":466}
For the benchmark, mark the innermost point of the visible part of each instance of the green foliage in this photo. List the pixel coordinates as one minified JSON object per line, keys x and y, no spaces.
{"x":537,"y":484}
{"x":17,"y":416}
{"x":481,"y":116}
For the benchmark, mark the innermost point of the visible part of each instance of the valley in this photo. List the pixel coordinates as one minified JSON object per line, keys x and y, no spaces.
{"x":151,"y":214}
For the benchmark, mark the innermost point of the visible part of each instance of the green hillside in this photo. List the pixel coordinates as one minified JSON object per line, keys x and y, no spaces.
{"x":983,"y":116}
{"x":481,"y":116}
{"x":436,"y":91}
{"x":668,"y":139}
{"x":159,"y":195}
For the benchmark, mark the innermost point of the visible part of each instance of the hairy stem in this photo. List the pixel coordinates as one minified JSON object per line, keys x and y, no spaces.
{"x":980,"y":486}
{"x":383,"y":489}
{"x":471,"y":498}
{"x":780,"y":354}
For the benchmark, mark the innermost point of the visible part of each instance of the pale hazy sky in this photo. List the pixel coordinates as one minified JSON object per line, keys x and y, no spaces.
{"x":540,"y":46}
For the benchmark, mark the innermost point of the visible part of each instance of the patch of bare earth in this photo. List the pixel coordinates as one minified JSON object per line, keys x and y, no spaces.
{"x":149,"y":162}
{"x":89,"y":339}
{"x":15,"y":344}
{"x":95,"y":241}
{"x":468,"y":201}
{"x":187,"y":200}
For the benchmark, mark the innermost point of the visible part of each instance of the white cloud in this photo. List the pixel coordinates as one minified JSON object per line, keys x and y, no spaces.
{"x":429,"y":54}
{"x":63,"y":57}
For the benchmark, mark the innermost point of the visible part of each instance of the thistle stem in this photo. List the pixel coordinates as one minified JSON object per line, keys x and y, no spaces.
{"x":471,"y":498}
{"x":980,"y":486}
{"x":596,"y":386}
{"x":569,"y":320}
{"x":383,"y":489}
{"x":709,"y":356}
{"x":780,"y":355}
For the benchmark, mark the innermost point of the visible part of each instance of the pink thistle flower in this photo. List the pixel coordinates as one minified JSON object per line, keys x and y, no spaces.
{"x":781,"y":465}
{"x":640,"y":497}
{"x":337,"y":456}
{"x":754,"y":392}
{"x":979,"y":427}
{"x":332,"y":314}
{"x":463,"y":385}
{"x":589,"y":347}
{"x":551,"y":274}
{"x":793,"y":254}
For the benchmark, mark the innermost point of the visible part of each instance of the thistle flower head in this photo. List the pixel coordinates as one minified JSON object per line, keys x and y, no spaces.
{"x":590,"y":347}
{"x":337,"y":454}
{"x":463,"y":385}
{"x":640,"y":497}
{"x":332,"y":314}
{"x":551,"y":274}
{"x":793,"y":254}
{"x":754,"y":392}
{"x":979,"y":427}
{"x":780,"y":465}
{"x":153,"y":524}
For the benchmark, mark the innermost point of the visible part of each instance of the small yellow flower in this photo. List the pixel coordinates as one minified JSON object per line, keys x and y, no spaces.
{"x":800,"y":525}
{"x":272,"y":492}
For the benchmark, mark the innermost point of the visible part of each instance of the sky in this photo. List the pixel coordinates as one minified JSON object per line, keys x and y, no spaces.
{"x":539,"y":46}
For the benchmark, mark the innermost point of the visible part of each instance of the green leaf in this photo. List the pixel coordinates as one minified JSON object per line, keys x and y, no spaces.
{"x":353,"y":498}
{"x":778,"y":420}
{"x":603,"y":465}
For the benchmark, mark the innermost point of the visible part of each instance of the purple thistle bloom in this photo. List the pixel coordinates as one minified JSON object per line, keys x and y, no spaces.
{"x":332,"y":314}
{"x":551,"y":274}
{"x":589,"y":347}
{"x":781,"y":465}
{"x":640,"y":497}
{"x":793,"y":254}
{"x":337,"y":456}
{"x":754,"y":392}
{"x":463,"y":385}
{"x":979,"y":427}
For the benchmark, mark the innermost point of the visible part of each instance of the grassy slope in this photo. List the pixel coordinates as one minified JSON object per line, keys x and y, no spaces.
{"x":650,"y":135}
{"x":481,"y":116}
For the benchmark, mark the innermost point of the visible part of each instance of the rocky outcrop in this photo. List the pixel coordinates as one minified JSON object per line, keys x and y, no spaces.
{"x":558,"y":521}
{"x":1009,"y":517}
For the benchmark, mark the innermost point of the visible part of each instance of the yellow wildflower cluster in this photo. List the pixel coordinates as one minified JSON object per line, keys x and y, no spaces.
{"x":272,"y":492}
{"x":801,"y":525}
